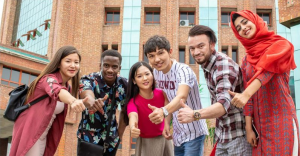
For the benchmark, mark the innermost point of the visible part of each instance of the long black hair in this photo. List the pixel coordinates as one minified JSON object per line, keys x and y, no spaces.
{"x":132,"y":89}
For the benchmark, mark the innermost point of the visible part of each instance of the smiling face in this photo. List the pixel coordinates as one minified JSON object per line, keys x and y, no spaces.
{"x":200,"y":48}
{"x":69,"y":66}
{"x":245,"y":27}
{"x":110,"y":67}
{"x":143,"y":78}
{"x":160,"y":60}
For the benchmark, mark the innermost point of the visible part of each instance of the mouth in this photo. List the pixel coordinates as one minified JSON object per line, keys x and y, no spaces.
{"x":72,"y":71}
{"x":159,"y":65}
{"x":247,"y":32}
{"x":145,"y":83}
{"x":110,"y":76}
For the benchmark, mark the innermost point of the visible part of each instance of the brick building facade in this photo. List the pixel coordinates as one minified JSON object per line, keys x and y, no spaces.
{"x":124,"y":25}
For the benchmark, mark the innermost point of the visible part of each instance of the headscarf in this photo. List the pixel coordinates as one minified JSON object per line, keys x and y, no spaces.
{"x":265,"y":50}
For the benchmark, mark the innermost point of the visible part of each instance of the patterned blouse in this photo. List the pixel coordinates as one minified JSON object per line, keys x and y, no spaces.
{"x":94,"y":123}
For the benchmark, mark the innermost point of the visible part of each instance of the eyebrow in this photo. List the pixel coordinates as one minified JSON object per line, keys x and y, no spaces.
{"x":196,"y":45}
{"x":240,"y":22}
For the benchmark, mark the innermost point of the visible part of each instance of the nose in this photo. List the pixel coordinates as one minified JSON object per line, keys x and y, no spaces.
{"x":110,"y":69}
{"x":197,"y":51}
{"x":145,"y":77}
{"x":157,"y":59}
{"x":73,"y":64}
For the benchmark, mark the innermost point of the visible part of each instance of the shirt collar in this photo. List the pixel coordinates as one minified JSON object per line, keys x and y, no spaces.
{"x":102,"y":83}
{"x":211,"y":61}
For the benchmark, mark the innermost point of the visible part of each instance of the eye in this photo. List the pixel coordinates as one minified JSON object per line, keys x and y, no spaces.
{"x":150,"y":56}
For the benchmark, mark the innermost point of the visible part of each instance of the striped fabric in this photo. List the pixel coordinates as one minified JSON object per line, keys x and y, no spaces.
{"x":182,"y":74}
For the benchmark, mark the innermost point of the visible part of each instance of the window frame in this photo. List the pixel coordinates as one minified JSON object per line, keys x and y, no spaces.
{"x":237,"y":55}
{"x":112,"y":22}
{"x":269,"y":13}
{"x":229,"y":20}
{"x":20,"y":76}
{"x":190,"y":24}
{"x":151,"y":22}
{"x":181,"y":49}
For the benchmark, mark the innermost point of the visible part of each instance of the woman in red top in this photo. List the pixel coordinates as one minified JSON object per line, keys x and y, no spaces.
{"x":267,"y":100}
{"x":141,"y":92}
{"x":37,"y":130}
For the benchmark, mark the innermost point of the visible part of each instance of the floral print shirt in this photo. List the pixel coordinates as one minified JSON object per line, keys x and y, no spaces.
{"x":94,"y":123}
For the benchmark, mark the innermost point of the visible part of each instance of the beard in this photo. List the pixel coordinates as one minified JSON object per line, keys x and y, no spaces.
{"x":206,"y":57}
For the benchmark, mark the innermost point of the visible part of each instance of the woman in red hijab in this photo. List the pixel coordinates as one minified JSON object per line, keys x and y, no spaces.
{"x":267,"y":100}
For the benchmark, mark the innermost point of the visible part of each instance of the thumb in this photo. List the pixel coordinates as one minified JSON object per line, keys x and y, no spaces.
{"x":85,"y":99}
{"x":136,"y":125}
{"x":231,"y":93}
{"x":151,"y":107}
{"x":182,"y":104}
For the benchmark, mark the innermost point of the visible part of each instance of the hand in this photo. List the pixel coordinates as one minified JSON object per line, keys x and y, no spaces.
{"x":78,"y":105}
{"x":185,"y":114}
{"x":157,"y":116}
{"x":166,"y":132}
{"x":251,"y":137}
{"x":135,"y":131}
{"x":89,"y":103}
{"x":99,"y":103}
{"x":239,"y":100}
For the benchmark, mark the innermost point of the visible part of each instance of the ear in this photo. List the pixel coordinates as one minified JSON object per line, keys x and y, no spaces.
{"x":212,"y":46}
{"x":171,"y":50}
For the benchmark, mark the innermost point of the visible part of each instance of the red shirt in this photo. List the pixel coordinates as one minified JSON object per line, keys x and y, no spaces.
{"x":31,"y":124}
{"x":140,"y":106}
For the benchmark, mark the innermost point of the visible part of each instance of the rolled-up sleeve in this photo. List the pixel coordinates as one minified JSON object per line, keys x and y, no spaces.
{"x":51,"y":86}
{"x":86,"y":83}
{"x":226,"y":78}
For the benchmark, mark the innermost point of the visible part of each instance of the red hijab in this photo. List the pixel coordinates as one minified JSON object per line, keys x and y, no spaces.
{"x":265,"y":50}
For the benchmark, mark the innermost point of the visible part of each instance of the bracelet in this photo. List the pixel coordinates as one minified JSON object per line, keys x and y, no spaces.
{"x":73,"y":101}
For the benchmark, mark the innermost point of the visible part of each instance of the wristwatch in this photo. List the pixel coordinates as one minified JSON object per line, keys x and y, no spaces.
{"x":197,"y":115}
{"x":165,"y":111}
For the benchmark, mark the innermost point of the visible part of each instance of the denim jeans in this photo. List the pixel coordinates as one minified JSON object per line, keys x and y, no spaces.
{"x":192,"y":148}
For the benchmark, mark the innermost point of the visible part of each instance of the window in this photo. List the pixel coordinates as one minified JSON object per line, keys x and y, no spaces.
{"x":104,"y":47}
{"x":187,"y":15}
{"x":114,"y":47}
{"x":181,"y":54}
{"x":13,"y":77}
{"x":133,"y":143}
{"x":292,"y":86}
{"x":225,"y":16}
{"x":152,"y":16}
{"x":192,"y":60}
{"x":235,"y":55}
{"x":224,"y":51}
{"x":265,"y":15}
{"x":112,"y":16}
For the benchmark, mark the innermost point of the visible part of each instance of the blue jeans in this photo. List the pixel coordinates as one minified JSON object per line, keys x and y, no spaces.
{"x":192,"y":148}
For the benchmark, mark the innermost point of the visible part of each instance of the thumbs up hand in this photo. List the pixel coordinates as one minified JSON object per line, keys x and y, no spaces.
{"x":185,"y":114}
{"x":238,"y":100}
{"x":135,"y":131}
{"x":157,"y":115}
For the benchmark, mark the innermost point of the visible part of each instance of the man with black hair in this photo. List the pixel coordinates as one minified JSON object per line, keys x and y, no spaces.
{"x":221,"y":74}
{"x":178,"y":81}
{"x":98,"y":88}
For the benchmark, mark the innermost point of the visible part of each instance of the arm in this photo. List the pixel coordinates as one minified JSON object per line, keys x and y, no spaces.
{"x":166,"y":132}
{"x":251,"y":137}
{"x":133,"y":124}
{"x":122,"y":125}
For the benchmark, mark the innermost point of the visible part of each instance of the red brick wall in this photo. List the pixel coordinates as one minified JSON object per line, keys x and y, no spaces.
{"x":289,"y":12}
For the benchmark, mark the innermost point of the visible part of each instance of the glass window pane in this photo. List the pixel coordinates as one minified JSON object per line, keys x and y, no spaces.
{"x":192,"y":60}
{"x":146,"y":59}
{"x":266,"y":18}
{"x":120,"y":146}
{"x":181,"y":56}
{"x":15,"y":74}
{"x":224,"y":51}
{"x":183,"y":15}
{"x":224,"y":18}
{"x":109,"y":16}
{"x":13,"y":84}
{"x":156,"y":17}
{"x":117,"y":17}
{"x":25,"y":78}
{"x":5,"y":73}
{"x":32,"y":78}
{"x":234,"y":56}
{"x":191,"y":18}
{"x":4,"y":82}
{"x":149,"y":17}
{"x":132,"y":146}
